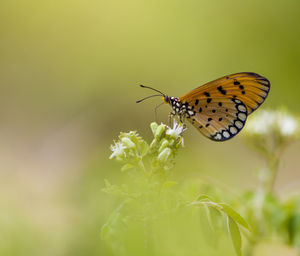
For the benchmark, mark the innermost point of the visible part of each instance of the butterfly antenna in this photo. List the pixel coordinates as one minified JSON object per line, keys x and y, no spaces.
{"x":138,"y":101}
{"x":143,"y":86}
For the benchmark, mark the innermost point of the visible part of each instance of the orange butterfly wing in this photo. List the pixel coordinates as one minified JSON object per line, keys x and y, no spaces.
{"x":222,"y":106}
{"x":251,"y":88}
{"x":221,"y":119}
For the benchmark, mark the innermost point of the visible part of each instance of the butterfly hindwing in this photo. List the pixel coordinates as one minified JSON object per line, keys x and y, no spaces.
{"x":220,"y":119}
{"x":250,"y":88}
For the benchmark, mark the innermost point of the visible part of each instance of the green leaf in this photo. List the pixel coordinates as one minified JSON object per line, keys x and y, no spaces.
{"x":293,"y":227}
{"x":207,"y":231}
{"x":203,"y":197}
{"x":235,"y":235}
{"x":234,"y":215}
{"x":214,"y":217}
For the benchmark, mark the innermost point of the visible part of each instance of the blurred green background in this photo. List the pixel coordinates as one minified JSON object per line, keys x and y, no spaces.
{"x":69,"y":76}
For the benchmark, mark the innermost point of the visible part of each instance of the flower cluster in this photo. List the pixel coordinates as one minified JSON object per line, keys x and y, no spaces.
{"x":267,"y":121}
{"x":270,"y":131}
{"x":131,"y":148}
{"x":166,"y":142}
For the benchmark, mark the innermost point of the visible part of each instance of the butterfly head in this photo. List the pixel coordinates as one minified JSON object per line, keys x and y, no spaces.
{"x":166,"y":99}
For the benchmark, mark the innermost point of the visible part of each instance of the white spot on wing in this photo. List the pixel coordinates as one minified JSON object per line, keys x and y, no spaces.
{"x":242,"y":116}
{"x":242,"y":108}
{"x":226,"y":134}
{"x":233,"y":130}
{"x":218,"y":136}
{"x":238,"y":124}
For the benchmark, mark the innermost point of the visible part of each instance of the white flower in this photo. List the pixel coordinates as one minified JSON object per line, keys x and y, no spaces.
{"x":176,"y":131}
{"x":287,"y":124}
{"x":262,"y":122}
{"x":267,"y":121}
{"x":118,"y":150}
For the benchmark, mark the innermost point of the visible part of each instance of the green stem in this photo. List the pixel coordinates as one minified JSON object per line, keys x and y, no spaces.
{"x":273,"y":168}
{"x":142,"y":167}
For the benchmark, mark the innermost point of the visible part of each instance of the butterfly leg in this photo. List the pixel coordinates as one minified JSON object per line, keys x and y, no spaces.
{"x":171,"y":116}
{"x":182,"y":118}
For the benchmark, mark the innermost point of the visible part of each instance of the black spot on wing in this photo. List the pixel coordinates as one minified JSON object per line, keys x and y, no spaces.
{"x":221,"y":90}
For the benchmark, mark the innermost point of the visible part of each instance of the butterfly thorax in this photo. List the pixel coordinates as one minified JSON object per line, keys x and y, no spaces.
{"x":182,"y":109}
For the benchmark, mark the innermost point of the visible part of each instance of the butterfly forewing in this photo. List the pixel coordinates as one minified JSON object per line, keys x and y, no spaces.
{"x":250,"y":88}
{"x":220,"y":119}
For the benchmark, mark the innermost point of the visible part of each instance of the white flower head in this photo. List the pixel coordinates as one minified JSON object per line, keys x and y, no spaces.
{"x":176,"y":131}
{"x":287,"y":124}
{"x":118,"y":150}
{"x":268,"y":120}
{"x":261,"y":123}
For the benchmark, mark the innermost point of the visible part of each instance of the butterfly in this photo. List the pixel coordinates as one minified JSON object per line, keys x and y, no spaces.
{"x":219,"y":109}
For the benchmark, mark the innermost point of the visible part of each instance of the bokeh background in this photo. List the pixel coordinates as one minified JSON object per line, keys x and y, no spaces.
{"x":69,"y":76}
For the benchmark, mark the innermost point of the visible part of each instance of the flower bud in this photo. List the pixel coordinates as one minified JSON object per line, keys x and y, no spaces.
{"x":127,"y":142}
{"x":164,"y":144}
{"x":153,"y":126}
{"x":159,"y":131}
{"x":164,"y":155}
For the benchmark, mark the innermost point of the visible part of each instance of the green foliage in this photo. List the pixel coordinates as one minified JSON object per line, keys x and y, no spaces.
{"x":150,"y":197}
{"x":232,"y":217}
{"x":270,"y":216}
{"x":235,"y":234}
{"x":153,"y":207}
